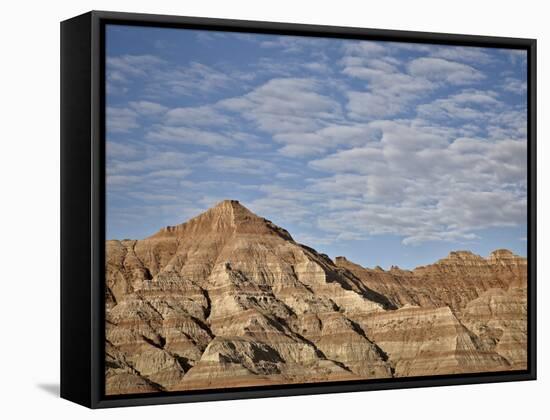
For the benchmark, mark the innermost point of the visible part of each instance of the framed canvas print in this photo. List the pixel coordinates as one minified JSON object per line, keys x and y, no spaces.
{"x":255,"y":209}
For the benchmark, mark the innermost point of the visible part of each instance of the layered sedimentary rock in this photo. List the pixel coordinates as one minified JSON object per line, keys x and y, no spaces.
{"x":230,"y":299}
{"x":429,"y":341}
{"x":452,"y":281}
{"x":499,"y":318}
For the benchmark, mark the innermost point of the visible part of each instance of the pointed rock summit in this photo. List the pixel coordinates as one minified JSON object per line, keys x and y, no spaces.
{"x":226,"y":217}
{"x":229,"y":299}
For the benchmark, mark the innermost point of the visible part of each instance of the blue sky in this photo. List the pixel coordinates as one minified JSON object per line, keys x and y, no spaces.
{"x":387,"y":153}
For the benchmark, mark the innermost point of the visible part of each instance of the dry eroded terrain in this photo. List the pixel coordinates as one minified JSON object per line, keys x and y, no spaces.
{"x":229,"y":299}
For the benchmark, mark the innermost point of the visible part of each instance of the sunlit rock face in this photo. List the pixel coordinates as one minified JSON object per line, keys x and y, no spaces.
{"x":230,"y":299}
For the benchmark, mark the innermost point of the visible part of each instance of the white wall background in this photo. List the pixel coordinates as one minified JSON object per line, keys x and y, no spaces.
{"x":29,"y":206}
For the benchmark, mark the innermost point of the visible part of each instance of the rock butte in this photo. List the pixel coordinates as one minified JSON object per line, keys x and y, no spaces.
{"x":229,"y":299}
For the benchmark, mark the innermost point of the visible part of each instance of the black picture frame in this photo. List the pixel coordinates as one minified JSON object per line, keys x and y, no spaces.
{"x":83,"y":210}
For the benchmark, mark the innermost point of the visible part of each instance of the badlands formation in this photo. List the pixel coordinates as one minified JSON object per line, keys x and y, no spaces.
{"x":229,"y":299}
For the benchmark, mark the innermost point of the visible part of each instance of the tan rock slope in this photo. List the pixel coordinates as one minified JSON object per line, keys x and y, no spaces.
{"x":230,"y":299}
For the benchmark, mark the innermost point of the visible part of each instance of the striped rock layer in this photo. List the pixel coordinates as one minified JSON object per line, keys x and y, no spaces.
{"x":229,"y":299}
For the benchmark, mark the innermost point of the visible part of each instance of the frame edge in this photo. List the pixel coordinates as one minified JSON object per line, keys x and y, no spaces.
{"x":92,"y":142}
{"x":76,"y":263}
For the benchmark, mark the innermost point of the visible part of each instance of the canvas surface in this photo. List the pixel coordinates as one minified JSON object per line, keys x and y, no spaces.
{"x":293,"y":210}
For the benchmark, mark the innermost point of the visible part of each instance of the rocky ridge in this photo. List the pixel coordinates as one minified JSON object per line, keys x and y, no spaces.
{"x":230,"y":299}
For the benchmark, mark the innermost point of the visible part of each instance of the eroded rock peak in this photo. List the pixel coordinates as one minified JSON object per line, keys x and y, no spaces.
{"x":228,"y":299}
{"x":225,"y":218}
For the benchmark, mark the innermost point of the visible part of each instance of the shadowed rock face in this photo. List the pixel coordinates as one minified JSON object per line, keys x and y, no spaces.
{"x":229,"y":299}
{"x":452,"y":281}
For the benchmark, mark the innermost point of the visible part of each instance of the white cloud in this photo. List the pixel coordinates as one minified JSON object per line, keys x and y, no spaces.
{"x":188,"y":135}
{"x":365,"y":49}
{"x":422,"y":183}
{"x":508,"y":124}
{"x":121,"y":151}
{"x":385,"y":188}
{"x":285,"y":104}
{"x":299,"y":116}
{"x":125,"y":119}
{"x":294,"y":44}
{"x":196,"y":116}
{"x":170,"y":173}
{"x":340,"y":187}
{"x":461,"y":54}
{"x":284,"y":192}
{"x":519,"y":87}
{"x":285,"y":175}
{"x":230,"y":164}
{"x":148,"y":196}
{"x":300,"y":150}
{"x":294,"y":111}
{"x":153,"y":161}
{"x":147,"y":108}
{"x":375,"y":105}
{"x":357,"y":159}
{"x":287,"y":97}
{"x":370,"y":142}
{"x":120,"y":68}
{"x":517,"y":57}
{"x":121,"y":120}
{"x":317,"y":67}
{"x":122,"y":180}
{"x":389,"y":90}
{"x":441,"y":70}
{"x":160,"y":78}
{"x":467,"y":105}
{"x":193,"y":77}
{"x":275,"y":208}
